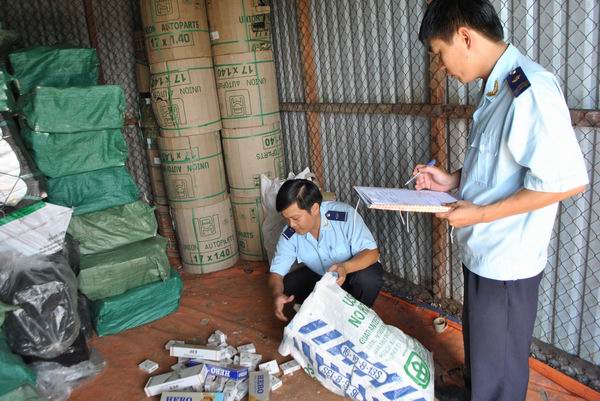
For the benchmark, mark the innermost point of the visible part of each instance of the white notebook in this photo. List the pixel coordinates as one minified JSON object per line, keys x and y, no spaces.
{"x":405,"y":200}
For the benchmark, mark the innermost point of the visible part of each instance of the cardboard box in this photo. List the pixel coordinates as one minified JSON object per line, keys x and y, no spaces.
{"x":206,"y":237}
{"x":250,"y":152}
{"x":184,"y":97}
{"x":193,"y":170}
{"x":197,"y":351}
{"x":238,"y":26}
{"x":259,"y":386}
{"x":247,"y":89}
{"x":189,"y":396}
{"x":248,"y":215}
{"x":175,"y":29}
{"x":173,"y":381}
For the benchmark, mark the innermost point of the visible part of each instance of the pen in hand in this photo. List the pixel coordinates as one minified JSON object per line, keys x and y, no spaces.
{"x":429,"y":164}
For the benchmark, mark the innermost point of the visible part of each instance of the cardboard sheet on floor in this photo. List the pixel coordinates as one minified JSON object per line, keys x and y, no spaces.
{"x":113,"y":272}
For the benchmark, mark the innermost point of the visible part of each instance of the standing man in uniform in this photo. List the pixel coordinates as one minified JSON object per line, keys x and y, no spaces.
{"x":522,"y":159}
{"x":326,"y":237}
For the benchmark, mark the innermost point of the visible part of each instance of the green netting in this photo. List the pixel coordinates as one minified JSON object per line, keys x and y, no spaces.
{"x":57,"y":155}
{"x":113,"y":227}
{"x":137,"y":307}
{"x":76,"y":109}
{"x":94,"y":190}
{"x":13,"y":371}
{"x":7,"y":100}
{"x":113,"y":272}
{"x":54,"y":66}
{"x":22,"y":393}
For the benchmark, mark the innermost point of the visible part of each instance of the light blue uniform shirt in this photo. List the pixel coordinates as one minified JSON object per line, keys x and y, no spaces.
{"x":517,"y":140}
{"x":338,"y":242}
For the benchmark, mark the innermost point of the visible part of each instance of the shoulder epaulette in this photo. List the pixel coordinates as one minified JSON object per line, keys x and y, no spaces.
{"x":334,"y":215}
{"x":288,"y":233}
{"x":517,"y":81}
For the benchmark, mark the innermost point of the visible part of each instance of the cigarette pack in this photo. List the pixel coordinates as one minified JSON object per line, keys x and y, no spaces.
{"x":174,"y":381}
{"x":198,"y":351}
{"x":189,"y":396}
{"x":259,"y":386}
{"x":233,"y":372}
{"x":275,"y":383}
{"x":290,"y":367}
{"x":250,"y":348}
{"x":272,"y":367}
{"x":148,"y":366}
{"x":250,"y":360}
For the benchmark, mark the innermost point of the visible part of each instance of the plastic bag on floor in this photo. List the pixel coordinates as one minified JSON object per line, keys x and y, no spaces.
{"x":349,"y":350}
{"x":45,"y":288}
{"x":273,"y":223}
{"x":56,"y":382}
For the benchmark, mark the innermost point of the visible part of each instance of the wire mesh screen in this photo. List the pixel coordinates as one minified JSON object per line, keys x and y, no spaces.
{"x":364,"y":102}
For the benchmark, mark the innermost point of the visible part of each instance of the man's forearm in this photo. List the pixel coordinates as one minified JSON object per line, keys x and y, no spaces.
{"x":524,"y":201}
{"x":276,"y":284}
{"x":456,"y":178}
{"x":362,"y":260}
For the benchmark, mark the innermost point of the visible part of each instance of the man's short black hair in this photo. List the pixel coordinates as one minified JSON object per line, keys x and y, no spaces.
{"x":303,"y":192}
{"x":443,"y":18}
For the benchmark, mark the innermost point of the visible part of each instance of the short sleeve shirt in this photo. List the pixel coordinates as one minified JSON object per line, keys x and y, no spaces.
{"x":521,"y":137}
{"x":342,"y":235}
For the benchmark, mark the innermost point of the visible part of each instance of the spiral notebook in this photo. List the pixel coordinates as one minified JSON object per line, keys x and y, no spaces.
{"x":405,"y":200}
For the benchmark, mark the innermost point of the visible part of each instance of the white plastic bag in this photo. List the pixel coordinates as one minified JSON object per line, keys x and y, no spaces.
{"x":273,"y":223}
{"x":349,"y":350}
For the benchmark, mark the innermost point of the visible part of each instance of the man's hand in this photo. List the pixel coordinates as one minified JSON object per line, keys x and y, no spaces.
{"x":434,"y":179}
{"x":462,"y":214}
{"x":278,"y":304}
{"x":341,"y":271}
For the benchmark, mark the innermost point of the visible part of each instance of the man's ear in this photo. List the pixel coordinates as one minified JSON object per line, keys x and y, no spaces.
{"x":315,"y":209}
{"x":465,"y":36}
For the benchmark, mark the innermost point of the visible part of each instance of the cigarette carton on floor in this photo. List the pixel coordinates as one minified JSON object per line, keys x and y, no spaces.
{"x":187,"y":396}
{"x":231,"y":372}
{"x":198,"y":351}
{"x":174,"y":381}
{"x":259,"y":386}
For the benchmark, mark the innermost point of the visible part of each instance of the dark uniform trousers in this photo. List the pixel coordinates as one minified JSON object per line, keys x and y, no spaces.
{"x":363,"y":285}
{"x":498,"y":320}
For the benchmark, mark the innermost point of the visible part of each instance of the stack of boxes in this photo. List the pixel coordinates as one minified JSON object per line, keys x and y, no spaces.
{"x":240,"y":32}
{"x":184,"y":100}
{"x":151,"y":131}
{"x":74,"y":135}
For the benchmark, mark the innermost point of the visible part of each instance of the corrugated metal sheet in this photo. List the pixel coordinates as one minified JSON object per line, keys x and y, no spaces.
{"x":368,"y":52}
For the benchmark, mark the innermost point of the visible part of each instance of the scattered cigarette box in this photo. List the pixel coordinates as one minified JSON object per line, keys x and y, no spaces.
{"x":174,"y":381}
{"x":198,"y":351}
{"x":250,"y":360}
{"x":170,"y":343}
{"x":191,"y":396}
{"x":275,"y":383}
{"x":259,"y":386}
{"x":231,"y":372}
{"x":250,"y":348}
{"x":148,"y":366}
{"x":272,"y":367}
{"x":231,"y":351}
{"x":290,"y":367}
{"x":242,"y":389}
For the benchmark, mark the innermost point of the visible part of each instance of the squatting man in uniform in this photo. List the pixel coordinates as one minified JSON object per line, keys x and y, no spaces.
{"x":324,"y":237}
{"x":522,"y":159}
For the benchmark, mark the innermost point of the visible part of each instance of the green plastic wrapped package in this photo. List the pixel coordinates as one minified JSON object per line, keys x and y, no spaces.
{"x":57,"y":155}
{"x":22,"y":393}
{"x":13,"y":371}
{"x":113,"y":272}
{"x":54,"y":66}
{"x":137,"y":307}
{"x":94,"y":190}
{"x":75,"y":109}
{"x":7,"y":99}
{"x":114,"y":227}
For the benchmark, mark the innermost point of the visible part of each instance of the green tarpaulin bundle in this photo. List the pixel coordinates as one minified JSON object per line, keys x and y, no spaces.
{"x":137,"y":307}
{"x":13,"y":371}
{"x":7,"y":100}
{"x":54,"y":66}
{"x":22,"y":393}
{"x":114,"y":227}
{"x":75,"y":109}
{"x":94,"y":190}
{"x":113,"y":272}
{"x":57,"y":155}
